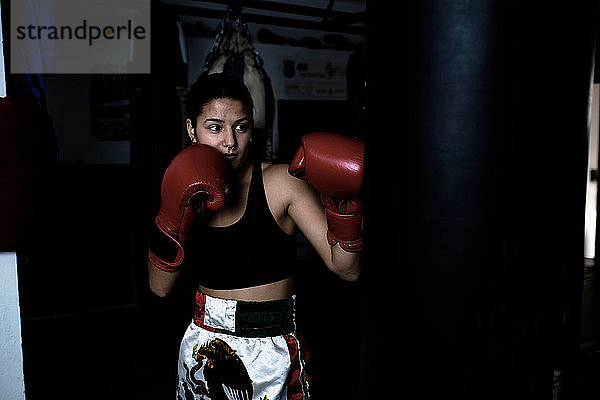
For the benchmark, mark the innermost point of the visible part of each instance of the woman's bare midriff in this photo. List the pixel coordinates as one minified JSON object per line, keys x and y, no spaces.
{"x":271,"y":291}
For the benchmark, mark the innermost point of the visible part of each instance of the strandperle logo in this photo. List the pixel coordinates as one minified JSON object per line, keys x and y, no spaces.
{"x":80,"y":36}
{"x":84,"y":31}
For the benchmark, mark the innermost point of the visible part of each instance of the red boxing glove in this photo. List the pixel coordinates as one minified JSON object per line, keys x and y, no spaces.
{"x":334,"y":165}
{"x":196,"y":179}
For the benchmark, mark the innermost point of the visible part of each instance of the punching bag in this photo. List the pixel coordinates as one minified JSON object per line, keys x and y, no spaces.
{"x":234,"y":53}
{"x":476,"y":166}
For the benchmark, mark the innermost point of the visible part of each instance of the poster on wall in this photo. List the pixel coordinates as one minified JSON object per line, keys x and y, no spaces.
{"x":314,"y":78}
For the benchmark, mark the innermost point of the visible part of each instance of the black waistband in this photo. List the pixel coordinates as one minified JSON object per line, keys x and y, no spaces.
{"x":264,"y":319}
{"x":253,"y":319}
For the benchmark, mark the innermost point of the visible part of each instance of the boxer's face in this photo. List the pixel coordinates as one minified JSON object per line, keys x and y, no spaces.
{"x":225,"y":125}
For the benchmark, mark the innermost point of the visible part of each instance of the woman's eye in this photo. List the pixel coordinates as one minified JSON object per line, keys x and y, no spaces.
{"x":241,"y":127}
{"x":214,"y":128}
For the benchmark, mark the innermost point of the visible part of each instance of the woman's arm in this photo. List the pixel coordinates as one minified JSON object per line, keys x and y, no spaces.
{"x":333,"y":164}
{"x":161,"y":282}
{"x":304,"y":207}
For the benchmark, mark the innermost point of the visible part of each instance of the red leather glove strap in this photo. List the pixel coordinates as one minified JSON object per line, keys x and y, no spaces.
{"x":344,"y":229}
{"x":165,"y":252}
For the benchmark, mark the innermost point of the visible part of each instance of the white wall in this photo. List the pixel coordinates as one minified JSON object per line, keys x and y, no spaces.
{"x":12,"y":386}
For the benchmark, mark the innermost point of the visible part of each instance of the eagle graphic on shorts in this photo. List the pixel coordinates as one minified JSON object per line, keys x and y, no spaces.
{"x":223,"y":370}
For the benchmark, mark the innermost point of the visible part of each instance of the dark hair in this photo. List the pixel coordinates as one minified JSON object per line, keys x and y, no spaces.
{"x":209,"y":87}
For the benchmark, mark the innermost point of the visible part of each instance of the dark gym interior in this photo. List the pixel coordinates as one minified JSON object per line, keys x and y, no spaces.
{"x":476,"y":280}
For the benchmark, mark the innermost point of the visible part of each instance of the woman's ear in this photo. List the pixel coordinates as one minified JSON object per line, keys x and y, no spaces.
{"x":190,"y":130}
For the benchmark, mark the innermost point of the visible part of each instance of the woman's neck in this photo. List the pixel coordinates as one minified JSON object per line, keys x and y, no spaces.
{"x":241,"y":177}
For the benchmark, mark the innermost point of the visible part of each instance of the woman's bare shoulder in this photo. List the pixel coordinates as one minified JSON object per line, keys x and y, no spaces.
{"x":287,"y":189}
{"x":277,"y":175}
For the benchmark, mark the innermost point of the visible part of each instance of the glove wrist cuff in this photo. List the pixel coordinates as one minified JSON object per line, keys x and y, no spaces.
{"x":345,"y":229}
{"x":165,"y":252}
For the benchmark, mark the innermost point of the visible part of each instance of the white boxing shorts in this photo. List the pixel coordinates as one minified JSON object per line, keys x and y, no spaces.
{"x":242,"y":350}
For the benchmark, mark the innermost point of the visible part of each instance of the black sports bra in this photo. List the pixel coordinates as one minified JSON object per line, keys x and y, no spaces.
{"x":251,"y":252}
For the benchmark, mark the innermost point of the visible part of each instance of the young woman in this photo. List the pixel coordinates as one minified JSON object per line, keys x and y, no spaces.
{"x":232,"y":219}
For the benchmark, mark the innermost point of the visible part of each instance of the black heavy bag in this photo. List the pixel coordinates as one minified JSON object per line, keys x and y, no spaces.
{"x":428,"y":245}
{"x":477,"y":255}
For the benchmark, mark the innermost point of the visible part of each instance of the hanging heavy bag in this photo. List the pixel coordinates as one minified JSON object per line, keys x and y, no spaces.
{"x":233,"y":53}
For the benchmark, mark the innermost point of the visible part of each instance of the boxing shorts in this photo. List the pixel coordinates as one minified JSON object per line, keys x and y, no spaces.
{"x":242,"y":350}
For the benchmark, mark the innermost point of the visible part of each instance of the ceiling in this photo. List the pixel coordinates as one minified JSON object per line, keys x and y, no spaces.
{"x":343,"y":16}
